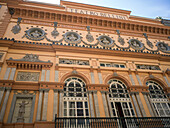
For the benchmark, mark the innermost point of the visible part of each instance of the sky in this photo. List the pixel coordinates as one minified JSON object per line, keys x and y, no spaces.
{"x":142,"y":8}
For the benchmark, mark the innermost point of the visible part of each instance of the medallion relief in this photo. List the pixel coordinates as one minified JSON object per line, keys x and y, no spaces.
{"x":136,"y":44}
{"x":72,"y":38}
{"x":35,"y":34}
{"x":105,"y":41}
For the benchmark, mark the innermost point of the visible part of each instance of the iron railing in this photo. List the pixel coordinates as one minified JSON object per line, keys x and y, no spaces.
{"x":115,"y":122}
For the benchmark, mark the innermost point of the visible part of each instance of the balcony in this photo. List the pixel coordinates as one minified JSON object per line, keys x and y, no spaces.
{"x":114,"y":122}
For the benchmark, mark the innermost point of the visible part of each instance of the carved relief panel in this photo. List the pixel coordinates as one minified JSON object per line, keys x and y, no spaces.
{"x":28,"y":76}
{"x":22,"y":110}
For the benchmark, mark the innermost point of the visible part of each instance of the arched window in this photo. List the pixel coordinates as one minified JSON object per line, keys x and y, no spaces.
{"x":75,"y":98}
{"x":120,"y":102}
{"x":158,"y":98}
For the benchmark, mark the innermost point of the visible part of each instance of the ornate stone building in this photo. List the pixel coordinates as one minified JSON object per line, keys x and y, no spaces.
{"x":79,"y":60}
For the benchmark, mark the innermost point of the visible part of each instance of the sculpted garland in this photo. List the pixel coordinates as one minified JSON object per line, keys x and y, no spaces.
{"x":38,"y":34}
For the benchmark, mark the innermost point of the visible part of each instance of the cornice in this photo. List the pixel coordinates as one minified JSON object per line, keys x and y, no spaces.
{"x":87,"y":50}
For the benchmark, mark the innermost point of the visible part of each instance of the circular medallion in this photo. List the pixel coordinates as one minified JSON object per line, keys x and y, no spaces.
{"x":36,"y":34}
{"x":162,"y":46}
{"x":72,"y":38}
{"x":136,"y":44}
{"x":105,"y":41}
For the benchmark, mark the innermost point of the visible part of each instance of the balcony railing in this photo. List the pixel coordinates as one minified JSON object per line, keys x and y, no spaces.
{"x":115,"y":122}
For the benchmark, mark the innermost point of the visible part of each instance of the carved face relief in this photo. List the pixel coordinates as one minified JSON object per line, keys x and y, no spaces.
{"x":36,"y":34}
{"x":72,"y":37}
{"x":136,"y":44}
{"x":162,"y":46}
{"x":105,"y":41}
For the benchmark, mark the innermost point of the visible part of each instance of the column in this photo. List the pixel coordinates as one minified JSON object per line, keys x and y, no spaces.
{"x":167,"y":81}
{"x":96,"y":104}
{"x":132,"y":80}
{"x":136,"y":105}
{"x":61,"y":104}
{"x":12,"y":74}
{"x":42,"y":75}
{"x":138,"y":78}
{"x":48,"y":75}
{"x":56,"y":75}
{"x":140,"y":105}
{"x":45,"y":104}
{"x":92,"y":77}
{"x":39,"y":105}
{"x":2,"y":89}
{"x":105,"y":103}
{"x":100,"y":78}
{"x":91,"y":103}
{"x":55,"y":105}
{"x":4,"y":104}
{"x":108,"y":102}
{"x":148,"y":104}
{"x":7,"y":73}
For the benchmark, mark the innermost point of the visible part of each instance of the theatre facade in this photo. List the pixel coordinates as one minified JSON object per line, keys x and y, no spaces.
{"x":81,"y":61}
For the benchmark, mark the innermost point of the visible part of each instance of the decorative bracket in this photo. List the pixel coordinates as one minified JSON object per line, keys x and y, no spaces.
{"x":16,"y":29}
{"x":148,"y":42}
{"x":89,"y":37}
{"x":120,"y":39}
{"x":55,"y":33}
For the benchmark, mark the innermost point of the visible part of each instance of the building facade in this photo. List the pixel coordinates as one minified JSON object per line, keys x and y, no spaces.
{"x":79,"y":60}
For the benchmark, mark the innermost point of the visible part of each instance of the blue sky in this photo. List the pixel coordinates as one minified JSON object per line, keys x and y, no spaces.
{"x":143,"y":8}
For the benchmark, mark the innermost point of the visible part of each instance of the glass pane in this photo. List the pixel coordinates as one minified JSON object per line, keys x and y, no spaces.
{"x":112,"y":105}
{"x":71,"y":94}
{"x":158,"y":105}
{"x":102,"y":65}
{"x":120,"y":91}
{"x":71,"y":84}
{"x":79,"y":112}
{"x":114,"y":113}
{"x":121,"y":95}
{"x":78,"y":89}
{"x":86,"y":105}
{"x":164,"y":105}
{"x":167,"y":112}
{"x":161,"y":112}
{"x":70,"y":89}
{"x":132,"y":112}
{"x":78,"y":84}
{"x":79,"y":104}
{"x":65,"y":104}
{"x":79,"y":94}
{"x":119,"y":86}
{"x":85,"y":95}
{"x":65,"y":112}
{"x":125,"y":105}
{"x":130,"y":105}
{"x":122,"y":66}
{"x":127,"y":113}
{"x":71,"y":104}
{"x":87,"y":112}
{"x":71,"y":112}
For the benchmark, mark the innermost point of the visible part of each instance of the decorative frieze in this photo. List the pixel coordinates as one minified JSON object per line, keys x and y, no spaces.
{"x":28,"y":76}
{"x":116,"y":65}
{"x":73,"y":62}
{"x":147,"y":67}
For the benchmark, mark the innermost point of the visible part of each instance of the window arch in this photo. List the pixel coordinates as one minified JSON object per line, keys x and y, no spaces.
{"x":158,"y":98}
{"x":120,"y":102}
{"x":75,"y":98}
